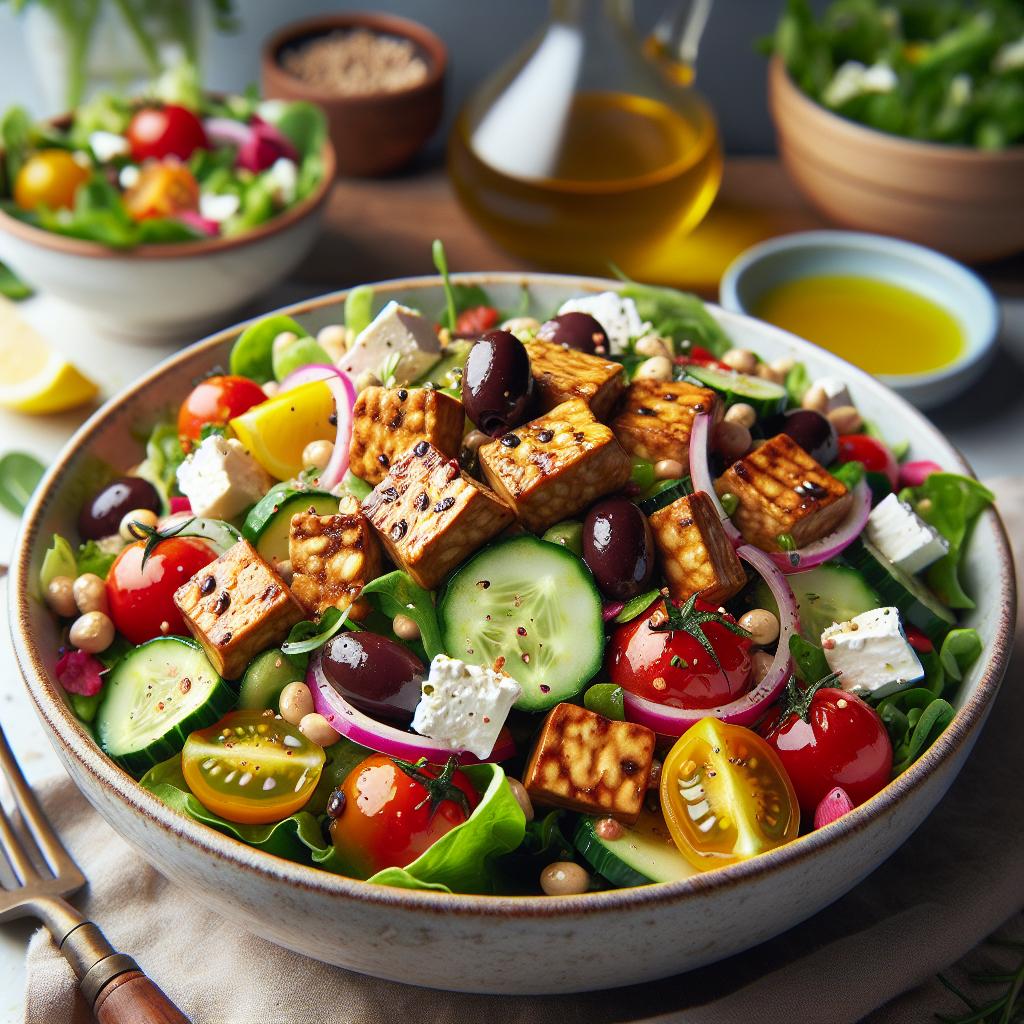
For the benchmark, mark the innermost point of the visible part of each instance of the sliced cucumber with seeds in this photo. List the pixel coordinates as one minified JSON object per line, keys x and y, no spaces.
{"x":154,"y":698}
{"x":533,"y":607}
{"x":268,"y":523}
{"x":644,"y":853}
{"x":765,"y":396}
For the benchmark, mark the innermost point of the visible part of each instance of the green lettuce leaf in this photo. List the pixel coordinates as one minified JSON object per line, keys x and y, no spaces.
{"x":397,"y":593}
{"x":914,"y":719}
{"x":680,"y":316}
{"x":11,"y":286}
{"x":59,"y":560}
{"x":164,"y":455}
{"x":95,"y":559}
{"x":960,"y":649}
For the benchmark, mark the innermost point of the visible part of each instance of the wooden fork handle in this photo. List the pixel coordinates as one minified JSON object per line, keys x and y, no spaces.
{"x":132,"y":998}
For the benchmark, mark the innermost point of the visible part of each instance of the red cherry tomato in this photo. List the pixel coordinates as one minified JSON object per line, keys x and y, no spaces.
{"x":217,"y":400}
{"x":918,"y":640}
{"x":476,"y":320}
{"x":387,"y":818}
{"x":872,"y":453}
{"x":700,"y":356}
{"x":170,"y":130}
{"x":142,"y":597}
{"x":672,"y":668}
{"x":841,"y":742}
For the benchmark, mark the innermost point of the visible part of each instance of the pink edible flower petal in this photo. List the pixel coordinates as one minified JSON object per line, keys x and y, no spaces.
{"x":913,"y":474}
{"x":199,"y":223}
{"x":264,"y":145}
{"x":834,"y":805}
{"x":180,"y":504}
{"x":81,"y":673}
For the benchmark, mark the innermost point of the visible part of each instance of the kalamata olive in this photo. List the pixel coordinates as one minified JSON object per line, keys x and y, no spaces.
{"x":618,"y":547}
{"x":101,"y":516}
{"x":577,"y":330}
{"x":375,"y":674}
{"x":813,"y":433}
{"x":496,"y":384}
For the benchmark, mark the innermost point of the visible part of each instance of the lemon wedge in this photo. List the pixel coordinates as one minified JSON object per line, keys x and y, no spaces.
{"x":33,"y":377}
{"x":277,"y":431}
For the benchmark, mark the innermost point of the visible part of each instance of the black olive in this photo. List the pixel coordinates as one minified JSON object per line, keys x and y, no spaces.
{"x":813,"y":432}
{"x":101,"y":516}
{"x":497,"y":385}
{"x":618,"y":547}
{"x":577,"y":330}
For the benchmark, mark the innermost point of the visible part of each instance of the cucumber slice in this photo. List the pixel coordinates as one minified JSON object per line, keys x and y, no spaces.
{"x":766,"y":397}
{"x":827,"y":594}
{"x":447,"y":371}
{"x":267,"y":525}
{"x":267,"y":675}
{"x":535,"y":606}
{"x":916,"y":602}
{"x":154,"y":698}
{"x":644,"y":853}
{"x":663,"y":494}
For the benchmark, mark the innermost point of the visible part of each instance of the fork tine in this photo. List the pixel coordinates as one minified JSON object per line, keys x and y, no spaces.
{"x":24,"y":869}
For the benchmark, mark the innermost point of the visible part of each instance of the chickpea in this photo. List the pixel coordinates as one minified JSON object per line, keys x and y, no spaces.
{"x":317,"y":454}
{"x":732,"y":441}
{"x":60,"y":596}
{"x":472,"y":441}
{"x":742,"y":414}
{"x":405,"y":627}
{"x":741,"y":359}
{"x":92,"y":632}
{"x":761,"y":661}
{"x":765,"y":372}
{"x":284,"y":570}
{"x":668,"y":469}
{"x":333,"y":339}
{"x":655,"y":368}
{"x":762,"y":626}
{"x":783,"y":366}
{"x":284,"y":340}
{"x":367,"y":379}
{"x":295,"y":703}
{"x":522,"y":797}
{"x":815,"y":398}
{"x":271,"y":388}
{"x":90,"y":593}
{"x":522,"y":326}
{"x":652,"y":345}
{"x":564,"y":878}
{"x":318,"y":730}
{"x":145,"y":516}
{"x":846,"y":419}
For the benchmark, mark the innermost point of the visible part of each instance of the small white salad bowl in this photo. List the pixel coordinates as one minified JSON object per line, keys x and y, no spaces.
{"x":475,"y":943}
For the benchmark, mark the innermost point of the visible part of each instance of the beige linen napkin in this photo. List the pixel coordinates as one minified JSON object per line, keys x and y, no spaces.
{"x":958,"y":878}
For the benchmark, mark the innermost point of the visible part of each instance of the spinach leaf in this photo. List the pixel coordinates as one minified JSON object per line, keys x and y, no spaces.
{"x":960,"y":649}
{"x":20,"y":474}
{"x":605,"y":699}
{"x":308,"y":636}
{"x":637,"y":605}
{"x":11,"y":286}
{"x":543,"y":843}
{"x":252,"y":354}
{"x":914,"y":718}
{"x":808,"y":658}
{"x":397,"y":593}
{"x":681,"y":316}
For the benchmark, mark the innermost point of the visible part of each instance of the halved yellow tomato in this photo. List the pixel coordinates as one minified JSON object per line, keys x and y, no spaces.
{"x":165,"y":188}
{"x":277,"y":431}
{"x":726,"y":796}
{"x":251,"y":767}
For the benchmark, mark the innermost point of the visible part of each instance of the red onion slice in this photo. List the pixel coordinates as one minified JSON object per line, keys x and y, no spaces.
{"x":913,"y":474}
{"x":835,"y":543}
{"x":351,"y":723}
{"x":669,"y":721}
{"x":611,"y":609}
{"x":226,"y":131}
{"x":700,"y":471}
{"x":196,"y":221}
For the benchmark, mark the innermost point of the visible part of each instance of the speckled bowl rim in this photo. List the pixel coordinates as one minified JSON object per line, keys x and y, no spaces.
{"x":77,"y":745}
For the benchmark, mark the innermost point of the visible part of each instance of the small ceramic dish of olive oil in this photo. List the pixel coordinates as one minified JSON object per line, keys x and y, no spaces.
{"x":917,"y":320}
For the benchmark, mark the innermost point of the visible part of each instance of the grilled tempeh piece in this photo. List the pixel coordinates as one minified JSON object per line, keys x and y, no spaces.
{"x":387,"y":422}
{"x":236,"y":607}
{"x":333,"y":557}
{"x":587,"y":763}
{"x":696,"y":555}
{"x":561,"y":373}
{"x":431,"y":516}
{"x":555,"y":466}
{"x":781,"y":489}
{"x":657,"y":417}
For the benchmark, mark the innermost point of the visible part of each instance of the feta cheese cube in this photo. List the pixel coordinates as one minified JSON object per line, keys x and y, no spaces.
{"x":903,"y":537}
{"x":464,"y":706}
{"x":618,"y":316}
{"x":218,"y":207}
{"x":871,"y":653}
{"x":107,"y":145}
{"x":835,"y":391}
{"x":221,"y":479}
{"x":396,"y":331}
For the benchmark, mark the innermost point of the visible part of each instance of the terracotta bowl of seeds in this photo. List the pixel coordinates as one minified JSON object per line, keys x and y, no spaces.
{"x":378,"y":78}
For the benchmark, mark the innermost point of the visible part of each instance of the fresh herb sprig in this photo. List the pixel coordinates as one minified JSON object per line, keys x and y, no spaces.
{"x":1005,"y":1008}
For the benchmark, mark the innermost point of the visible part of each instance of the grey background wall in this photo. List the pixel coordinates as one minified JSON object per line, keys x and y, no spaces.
{"x":480,"y":35}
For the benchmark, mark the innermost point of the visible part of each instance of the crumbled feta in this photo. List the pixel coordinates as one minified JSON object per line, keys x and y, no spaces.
{"x":283,"y":179}
{"x":396,"y":331}
{"x":618,"y":316}
{"x":464,"y":706}
{"x":1009,"y":57}
{"x":853,"y":79}
{"x":107,"y":145}
{"x":835,"y":391}
{"x":129,"y":176}
{"x":872,"y":653}
{"x":218,"y":207}
{"x":221,"y":479}
{"x":903,"y":537}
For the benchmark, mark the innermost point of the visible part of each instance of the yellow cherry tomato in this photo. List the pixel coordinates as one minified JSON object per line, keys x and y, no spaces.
{"x":277,"y":431}
{"x":726,"y":796}
{"x":49,"y":178}
{"x":164,"y":188}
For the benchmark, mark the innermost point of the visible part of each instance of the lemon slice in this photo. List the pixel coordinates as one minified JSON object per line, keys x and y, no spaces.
{"x":33,"y":377}
{"x":276,"y":431}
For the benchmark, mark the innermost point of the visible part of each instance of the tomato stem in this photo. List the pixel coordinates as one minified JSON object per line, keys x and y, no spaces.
{"x":439,"y":788}
{"x":691,"y":621}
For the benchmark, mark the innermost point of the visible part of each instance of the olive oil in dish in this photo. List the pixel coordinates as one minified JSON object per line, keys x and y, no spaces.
{"x":883,"y":328}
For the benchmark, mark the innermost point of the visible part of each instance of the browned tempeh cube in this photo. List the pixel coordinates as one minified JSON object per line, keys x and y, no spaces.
{"x":432,"y":516}
{"x":555,"y":466}
{"x":657,"y":417}
{"x":696,"y":555}
{"x":236,"y":607}
{"x":587,"y":763}
{"x":561,"y":373}
{"x":333,"y":557}
{"x":387,"y":422}
{"x":781,"y":489}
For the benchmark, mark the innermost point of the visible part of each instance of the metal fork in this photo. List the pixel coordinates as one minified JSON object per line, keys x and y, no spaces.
{"x":111,"y":982}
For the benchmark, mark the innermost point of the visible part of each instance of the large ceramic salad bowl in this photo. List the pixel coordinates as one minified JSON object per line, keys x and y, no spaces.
{"x":475,"y":943}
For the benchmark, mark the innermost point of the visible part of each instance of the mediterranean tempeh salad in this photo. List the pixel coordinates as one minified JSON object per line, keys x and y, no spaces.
{"x":465,"y":600}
